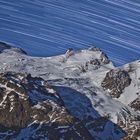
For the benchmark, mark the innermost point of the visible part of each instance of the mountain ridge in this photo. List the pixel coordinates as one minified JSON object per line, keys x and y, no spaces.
{"x":78,"y":77}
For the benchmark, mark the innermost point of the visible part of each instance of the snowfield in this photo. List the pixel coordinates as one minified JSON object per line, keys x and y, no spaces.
{"x":77,"y":77}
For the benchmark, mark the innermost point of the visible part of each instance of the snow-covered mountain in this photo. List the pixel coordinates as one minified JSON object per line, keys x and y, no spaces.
{"x":104,"y":98}
{"x":50,"y":27}
{"x":31,"y":109}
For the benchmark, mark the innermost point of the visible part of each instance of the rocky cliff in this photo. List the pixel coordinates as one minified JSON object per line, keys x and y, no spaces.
{"x":29,"y":104}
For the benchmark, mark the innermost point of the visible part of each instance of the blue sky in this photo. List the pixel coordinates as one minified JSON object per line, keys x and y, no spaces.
{"x":49,"y":27}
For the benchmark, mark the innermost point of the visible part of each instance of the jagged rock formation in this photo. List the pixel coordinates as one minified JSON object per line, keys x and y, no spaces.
{"x":115,"y":82}
{"x":135,"y":104}
{"x":129,"y":122}
{"x":134,"y":136}
{"x":104,"y":58}
{"x":69,"y":53}
{"x":30,"y":104}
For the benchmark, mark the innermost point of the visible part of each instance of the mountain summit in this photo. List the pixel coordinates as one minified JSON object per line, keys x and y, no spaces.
{"x":79,"y":95}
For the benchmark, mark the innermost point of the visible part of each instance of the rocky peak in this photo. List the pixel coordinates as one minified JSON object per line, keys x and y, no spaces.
{"x":104,"y":58}
{"x":69,"y":52}
{"x":85,"y":60}
{"x":94,"y":49}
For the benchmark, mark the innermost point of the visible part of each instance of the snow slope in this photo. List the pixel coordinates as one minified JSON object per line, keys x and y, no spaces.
{"x":50,"y":27}
{"x":77,"y":78}
{"x":31,"y":109}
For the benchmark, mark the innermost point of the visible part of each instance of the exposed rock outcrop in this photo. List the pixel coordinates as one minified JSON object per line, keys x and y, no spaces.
{"x":29,"y":104}
{"x":135,"y":104}
{"x":94,"y":49}
{"x":104,"y":58}
{"x":115,"y":81}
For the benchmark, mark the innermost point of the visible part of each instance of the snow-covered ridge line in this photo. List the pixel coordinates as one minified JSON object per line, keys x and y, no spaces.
{"x":54,"y":26}
{"x":77,"y":77}
{"x":6,"y":46}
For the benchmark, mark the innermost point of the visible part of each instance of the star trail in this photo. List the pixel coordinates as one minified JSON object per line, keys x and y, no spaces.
{"x":50,"y":27}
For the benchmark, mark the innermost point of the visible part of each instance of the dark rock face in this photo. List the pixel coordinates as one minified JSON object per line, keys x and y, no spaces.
{"x":31,"y":109}
{"x":135,"y":104}
{"x":133,"y":136}
{"x":69,"y":53}
{"x":116,"y":81}
{"x":104,"y":58}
